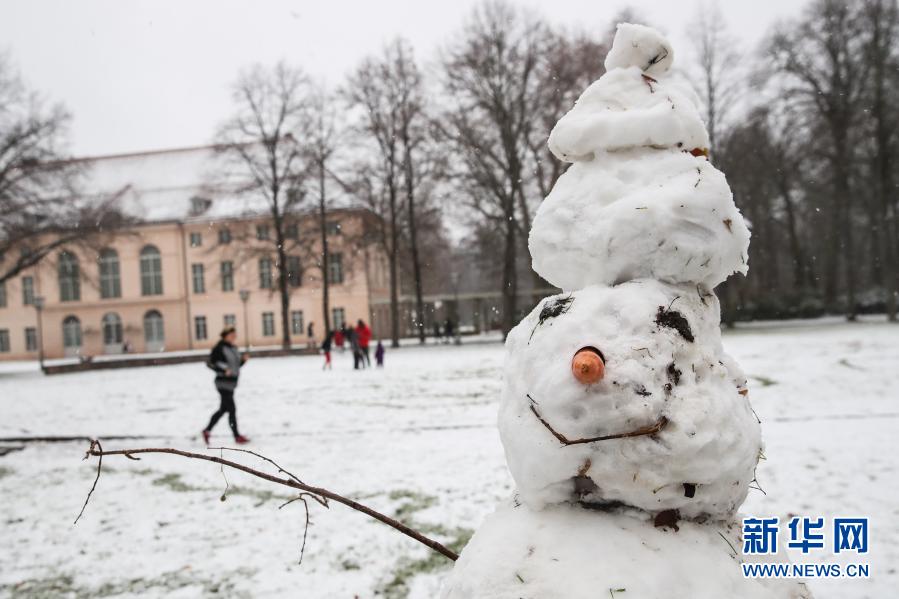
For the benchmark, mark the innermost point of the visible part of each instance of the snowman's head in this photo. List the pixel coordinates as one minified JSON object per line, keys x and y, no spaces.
{"x":623,"y":396}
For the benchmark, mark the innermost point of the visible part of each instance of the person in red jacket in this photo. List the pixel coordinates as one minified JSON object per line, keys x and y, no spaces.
{"x":363,"y":332}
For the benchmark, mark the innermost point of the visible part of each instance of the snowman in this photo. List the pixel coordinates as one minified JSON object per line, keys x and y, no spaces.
{"x":627,"y":429}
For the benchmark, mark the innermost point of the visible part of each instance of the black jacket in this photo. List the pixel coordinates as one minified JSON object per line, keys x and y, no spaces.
{"x":222,"y":358}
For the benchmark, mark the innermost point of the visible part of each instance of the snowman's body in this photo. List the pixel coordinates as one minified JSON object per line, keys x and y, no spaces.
{"x":562,"y":552}
{"x":626,"y":427}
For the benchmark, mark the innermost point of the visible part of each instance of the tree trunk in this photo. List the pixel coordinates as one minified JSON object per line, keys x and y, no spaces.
{"x":393,"y":258}
{"x":799,"y":267}
{"x":510,"y":272}
{"x":283,"y":288}
{"x":831,"y":257}
{"x":845,"y":227}
{"x":884,"y":158}
{"x":413,"y":242}
{"x":323,"y":231}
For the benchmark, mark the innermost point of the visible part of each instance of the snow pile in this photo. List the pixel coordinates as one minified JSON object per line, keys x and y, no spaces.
{"x":522,"y":553}
{"x":641,"y":200}
{"x":663,"y":358}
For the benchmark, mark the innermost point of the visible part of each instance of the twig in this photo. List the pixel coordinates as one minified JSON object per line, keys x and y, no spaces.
{"x":261,"y":457}
{"x":302,"y":497}
{"x":728,"y":542}
{"x":96,"y":450}
{"x":95,"y":443}
{"x":227,"y":486}
{"x":645,"y":430}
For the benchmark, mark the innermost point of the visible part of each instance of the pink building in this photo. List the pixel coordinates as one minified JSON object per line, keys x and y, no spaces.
{"x":173,"y":281}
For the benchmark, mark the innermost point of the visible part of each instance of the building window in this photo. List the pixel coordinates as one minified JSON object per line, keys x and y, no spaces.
{"x":2,"y":294}
{"x":154,"y":331}
{"x":196,"y":240}
{"x":4,"y":340}
{"x":338,"y":318}
{"x":294,"y":274}
{"x":200,"y":332}
{"x":227,"y":274}
{"x":69,"y":278}
{"x":112,"y":329}
{"x":199,"y":279}
{"x":292,"y":231}
{"x":335,"y":268}
{"x":71,"y":333}
{"x":110,"y":280}
{"x":224,"y":235}
{"x":30,"y":339}
{"x":268,"y":324}
{"x":296,"y":322}
{"x":199,"y":205}
{"x":150,"y":271}
{"x":261,"y":232}
{"x":28,"y":291}
{"x":265,"y":273}
{"x":333,"y":228}
{"x":230,"y":320}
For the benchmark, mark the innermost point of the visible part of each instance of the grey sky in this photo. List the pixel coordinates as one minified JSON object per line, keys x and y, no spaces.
{"x":155,"y":74}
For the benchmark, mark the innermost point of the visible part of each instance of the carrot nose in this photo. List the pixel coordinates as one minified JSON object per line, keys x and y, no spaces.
{"x":587,"y":366}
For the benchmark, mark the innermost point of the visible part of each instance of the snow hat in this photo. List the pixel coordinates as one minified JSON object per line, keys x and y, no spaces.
{"x":632,"y":105}
{"x":642,"y":200}
{"x":640,"y":46}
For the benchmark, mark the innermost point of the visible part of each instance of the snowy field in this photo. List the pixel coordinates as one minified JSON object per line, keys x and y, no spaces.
{"x":416,"y":440}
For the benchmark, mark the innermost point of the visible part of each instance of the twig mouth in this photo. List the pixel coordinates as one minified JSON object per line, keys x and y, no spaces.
{"x":645,"y":430}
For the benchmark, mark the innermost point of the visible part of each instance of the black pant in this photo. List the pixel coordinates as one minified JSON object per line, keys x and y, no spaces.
{"x":228,"y":406}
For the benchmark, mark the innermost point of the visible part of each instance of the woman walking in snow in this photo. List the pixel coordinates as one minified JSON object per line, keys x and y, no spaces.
{"x":226,"y":360}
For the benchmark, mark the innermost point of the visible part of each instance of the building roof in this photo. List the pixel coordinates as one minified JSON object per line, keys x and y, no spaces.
{"x":170,"y":185}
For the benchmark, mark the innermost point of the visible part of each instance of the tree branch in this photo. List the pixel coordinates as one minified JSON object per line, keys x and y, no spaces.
{"x":292,"y":482}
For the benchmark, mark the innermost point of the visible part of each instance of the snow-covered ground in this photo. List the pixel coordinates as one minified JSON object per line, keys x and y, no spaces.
{"x":417,"y":440}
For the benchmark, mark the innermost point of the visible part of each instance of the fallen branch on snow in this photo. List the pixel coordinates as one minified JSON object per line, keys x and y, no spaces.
{"x":319,"y":494}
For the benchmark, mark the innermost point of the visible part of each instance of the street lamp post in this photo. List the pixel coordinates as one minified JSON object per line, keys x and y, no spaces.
{"x":245,"y":297}
{"x":39,"y":307}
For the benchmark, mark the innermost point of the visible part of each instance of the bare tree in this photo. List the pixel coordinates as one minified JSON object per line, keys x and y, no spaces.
{"x":491,"y":82}
{"x":817,"y":59}
{"x":881,"y":22}
{"x":271,"y":113}
{"x":404,"y":75}
{"x":40,"y":207}
{"x":375,"y":89}
{"x":322,"y":141}
{"x":717,"y":67}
